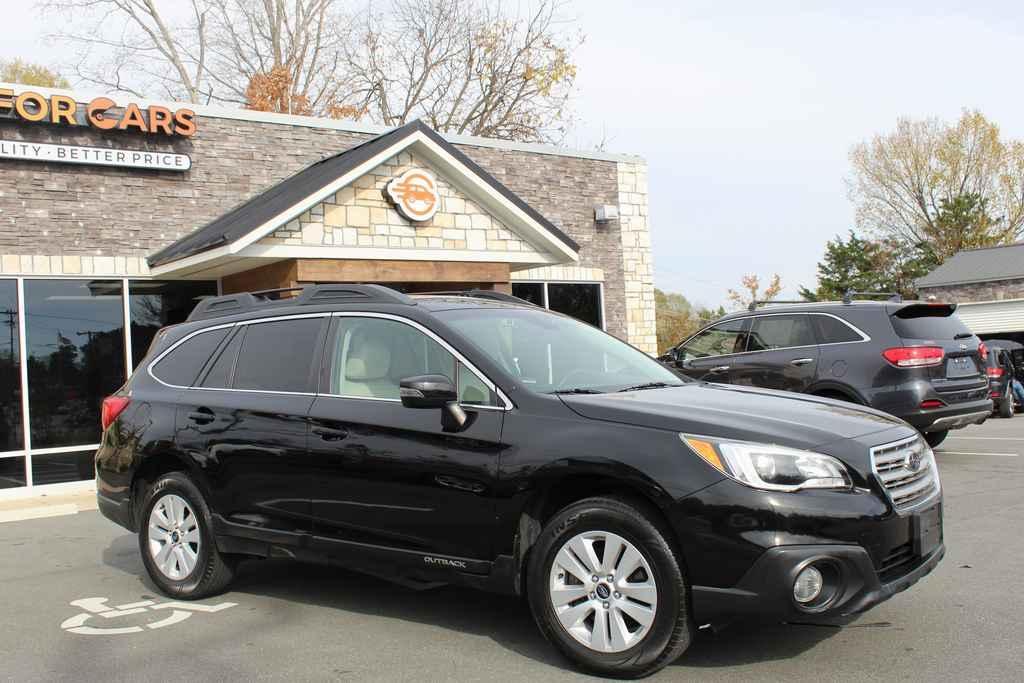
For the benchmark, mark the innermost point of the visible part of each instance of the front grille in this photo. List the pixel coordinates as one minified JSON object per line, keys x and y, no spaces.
{"x":906,"y":484}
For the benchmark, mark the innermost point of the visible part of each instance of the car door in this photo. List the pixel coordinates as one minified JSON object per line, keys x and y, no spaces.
{"x":246,"y":422}
{"x":391,"y":476}
{"x":782,"y":353}
{"x":707,"y":355}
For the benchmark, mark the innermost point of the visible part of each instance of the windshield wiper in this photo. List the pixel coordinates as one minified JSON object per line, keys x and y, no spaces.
{"x":576,"y":390}
{"x":963,"y":335}
{"x":650,"y":385}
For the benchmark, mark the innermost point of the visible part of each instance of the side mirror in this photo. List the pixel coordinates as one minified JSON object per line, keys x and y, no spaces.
{"x":434,"y":391}
{"x":427,"y":391}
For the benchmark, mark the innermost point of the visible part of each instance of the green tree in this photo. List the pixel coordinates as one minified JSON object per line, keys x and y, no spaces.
{"x":20,"y":71}
{"x":865,"y":265}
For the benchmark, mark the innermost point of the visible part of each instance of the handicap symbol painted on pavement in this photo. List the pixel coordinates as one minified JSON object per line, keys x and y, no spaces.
{"x":98,"y":607}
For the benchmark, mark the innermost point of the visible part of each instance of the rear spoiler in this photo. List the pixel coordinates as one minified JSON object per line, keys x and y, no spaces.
{"x":918,"y":309}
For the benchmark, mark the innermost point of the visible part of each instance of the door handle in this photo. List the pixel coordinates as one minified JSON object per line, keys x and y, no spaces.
{"x":328,"y":434}
{"x":718,"y":368}
{"x":801,"y":361}
{"x":201,"y":416}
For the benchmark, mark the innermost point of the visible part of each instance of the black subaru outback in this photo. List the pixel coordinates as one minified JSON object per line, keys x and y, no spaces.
{"x":914,"y":360}
{"x":482,"y":441}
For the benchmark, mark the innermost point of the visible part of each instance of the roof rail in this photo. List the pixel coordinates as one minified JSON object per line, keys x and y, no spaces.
{"x":311,"y":295}
{"x":755,"y":303}
{"x":894,"y":297}
{"x":482,"y":294}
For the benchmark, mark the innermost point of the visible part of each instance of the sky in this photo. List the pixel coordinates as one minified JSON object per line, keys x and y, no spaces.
{"x":746,"y":112}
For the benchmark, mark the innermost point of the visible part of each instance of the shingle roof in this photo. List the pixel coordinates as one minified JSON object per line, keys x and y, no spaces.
{"x":250,"y":214}
{"x":978,"y":265}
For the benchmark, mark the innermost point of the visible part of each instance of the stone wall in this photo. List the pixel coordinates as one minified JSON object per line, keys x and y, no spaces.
{"x":93,"y":220}
{"x":360,"y":216}
{"x":995,"y":290}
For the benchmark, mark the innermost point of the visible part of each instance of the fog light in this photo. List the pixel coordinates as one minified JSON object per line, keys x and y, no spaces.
{"x":808,"y":585}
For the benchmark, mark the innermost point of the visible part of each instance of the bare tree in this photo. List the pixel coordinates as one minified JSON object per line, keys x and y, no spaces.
{"x":204,"y":50}
{"x":944,"y":186}
{"x":466,"y":66}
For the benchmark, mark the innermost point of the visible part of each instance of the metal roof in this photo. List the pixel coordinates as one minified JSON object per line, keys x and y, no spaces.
{"x":978,"y":265}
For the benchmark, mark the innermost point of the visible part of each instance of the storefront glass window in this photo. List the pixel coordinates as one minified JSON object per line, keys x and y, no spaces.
{"x":156,"y":303}
{"x":581,"y":301}
{"x":10,"y":372}
{"x":12,"y":472}
{"x":75,"y":342}
{"x":530,"y":291}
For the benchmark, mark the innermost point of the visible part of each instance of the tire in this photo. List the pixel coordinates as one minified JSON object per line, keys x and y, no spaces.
{"x":622,"y":526}
{"x":1006,"y":405}
{"x":210,"y":571}
{"x":935,"y":438}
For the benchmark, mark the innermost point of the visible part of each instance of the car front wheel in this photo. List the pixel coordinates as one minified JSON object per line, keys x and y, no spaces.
{"x":606,"y":588}
{"x":176,"y":541}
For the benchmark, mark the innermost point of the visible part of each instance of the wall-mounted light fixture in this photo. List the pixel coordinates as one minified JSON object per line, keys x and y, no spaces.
{"x":606,"y":213}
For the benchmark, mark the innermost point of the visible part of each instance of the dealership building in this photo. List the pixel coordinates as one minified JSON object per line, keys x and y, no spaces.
{"x":116,"y":217}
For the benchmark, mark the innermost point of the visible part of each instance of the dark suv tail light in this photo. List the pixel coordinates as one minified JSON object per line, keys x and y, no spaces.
{"x":994,"y":372}
{"x":914,"y":356}
{"x":982,"y":351}
{"x":112,"y":407}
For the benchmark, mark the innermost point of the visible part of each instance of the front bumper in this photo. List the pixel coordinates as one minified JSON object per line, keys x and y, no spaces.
{"x":765,"y":593}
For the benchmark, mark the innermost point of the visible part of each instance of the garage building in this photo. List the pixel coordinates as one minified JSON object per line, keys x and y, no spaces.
{"x":988,"y":285}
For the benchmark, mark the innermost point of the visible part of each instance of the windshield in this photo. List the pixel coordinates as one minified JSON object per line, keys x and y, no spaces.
{"x":551,"y":353}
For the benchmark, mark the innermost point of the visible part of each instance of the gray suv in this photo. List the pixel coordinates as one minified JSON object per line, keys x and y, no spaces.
{"x":915,"y":360}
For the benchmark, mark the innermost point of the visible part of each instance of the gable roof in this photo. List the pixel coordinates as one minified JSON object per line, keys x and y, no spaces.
{"x":240,"y":221}
{"x":978,"y":265}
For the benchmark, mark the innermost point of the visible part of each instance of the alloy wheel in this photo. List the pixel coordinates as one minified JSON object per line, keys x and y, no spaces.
{"x":174,"y":538}
{"x":603,"y":591}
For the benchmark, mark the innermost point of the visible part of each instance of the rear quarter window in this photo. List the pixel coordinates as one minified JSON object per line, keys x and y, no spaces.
{"x":833,"y":331}
{"x":182,"y":365}
{"x":937,"y":323}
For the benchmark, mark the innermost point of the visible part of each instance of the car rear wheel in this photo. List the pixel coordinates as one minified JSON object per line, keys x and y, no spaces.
{"x":935,"y":438}
{"x":1006,"y":408}
{"x":176,"y":541}
{"x":606,"y":588}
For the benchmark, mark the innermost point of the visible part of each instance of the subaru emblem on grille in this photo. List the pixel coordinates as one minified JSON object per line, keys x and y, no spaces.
{"x":914,"y":460}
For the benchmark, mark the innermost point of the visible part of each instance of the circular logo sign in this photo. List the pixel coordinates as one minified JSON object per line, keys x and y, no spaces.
{"x":415,"y":194}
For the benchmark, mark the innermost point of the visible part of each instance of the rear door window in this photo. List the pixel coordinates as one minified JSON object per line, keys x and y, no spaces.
{"x":279,"y":355}
{"x":182,"y":365}
{"x":780,"y":332}
{"x":937,"y":323}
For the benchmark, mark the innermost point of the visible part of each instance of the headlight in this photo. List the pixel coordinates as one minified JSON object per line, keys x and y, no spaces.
{"x":775,"y":468}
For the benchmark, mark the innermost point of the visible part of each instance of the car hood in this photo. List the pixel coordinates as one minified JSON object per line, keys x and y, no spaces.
{"x":742,"y":413}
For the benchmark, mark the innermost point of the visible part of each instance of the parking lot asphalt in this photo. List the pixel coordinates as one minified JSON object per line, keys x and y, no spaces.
{"x":283,"y":620}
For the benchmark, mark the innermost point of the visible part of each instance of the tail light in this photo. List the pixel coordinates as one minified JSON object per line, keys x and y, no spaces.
{"x":982,"y":351}
{"x":914,"y":356}
{"x":994,"y":372}
{"x":994,"y":394}
{"x":932,"y":403}
{"x":112,"y":407}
